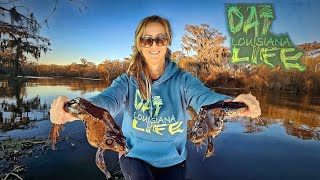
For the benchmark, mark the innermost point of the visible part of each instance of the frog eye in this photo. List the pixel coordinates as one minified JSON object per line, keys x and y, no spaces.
{"x":200,"y":132}
{"x":218,"y":123}
{"x":73,"y":102}
{"x":109,"y":141}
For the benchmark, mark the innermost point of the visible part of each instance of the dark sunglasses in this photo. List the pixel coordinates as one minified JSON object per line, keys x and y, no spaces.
{"x":147,"y":42}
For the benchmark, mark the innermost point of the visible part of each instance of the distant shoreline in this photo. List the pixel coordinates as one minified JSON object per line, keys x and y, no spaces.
{"x":51,"y":77}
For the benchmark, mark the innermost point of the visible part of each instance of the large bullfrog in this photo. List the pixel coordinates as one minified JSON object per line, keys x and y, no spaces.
{"x":210,"y":120}
{"x":101,"y":130}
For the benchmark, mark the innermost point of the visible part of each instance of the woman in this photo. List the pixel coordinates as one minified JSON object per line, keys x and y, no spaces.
{"x":155,"y":94}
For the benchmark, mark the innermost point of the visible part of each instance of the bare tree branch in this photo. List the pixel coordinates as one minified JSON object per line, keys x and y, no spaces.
{"x":4,"y":9}
{"x":53,"y":10}
{"x":9,"y":2}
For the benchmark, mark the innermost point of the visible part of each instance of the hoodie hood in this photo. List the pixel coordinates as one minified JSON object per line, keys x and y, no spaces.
{"x":171,"y":69}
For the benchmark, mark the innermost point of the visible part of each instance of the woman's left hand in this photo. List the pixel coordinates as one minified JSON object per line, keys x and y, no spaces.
{"x":253,"y":104}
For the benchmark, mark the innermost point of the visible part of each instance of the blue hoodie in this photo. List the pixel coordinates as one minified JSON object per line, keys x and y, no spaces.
{"x":156,"y":129}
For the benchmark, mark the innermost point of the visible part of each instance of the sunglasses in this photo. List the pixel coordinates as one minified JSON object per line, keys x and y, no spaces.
{"x":147,"y":42}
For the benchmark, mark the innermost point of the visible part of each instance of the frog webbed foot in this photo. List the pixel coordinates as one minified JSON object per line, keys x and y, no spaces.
{"x":100,"y":162}
{"x":210,"y":148}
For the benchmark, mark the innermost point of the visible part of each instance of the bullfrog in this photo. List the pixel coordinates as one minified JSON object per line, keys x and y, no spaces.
{"x":210,"y":120}
{"x":101,"y":130}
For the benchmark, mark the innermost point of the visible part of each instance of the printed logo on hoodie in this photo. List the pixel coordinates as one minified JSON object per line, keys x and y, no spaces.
{"x":146,"y":117}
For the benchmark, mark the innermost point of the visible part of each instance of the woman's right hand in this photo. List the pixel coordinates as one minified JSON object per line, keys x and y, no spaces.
{"x":58,"y":114}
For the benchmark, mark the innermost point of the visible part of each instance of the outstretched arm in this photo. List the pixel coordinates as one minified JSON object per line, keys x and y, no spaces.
{"x":198,"y":95}
{"x":113,"y":97}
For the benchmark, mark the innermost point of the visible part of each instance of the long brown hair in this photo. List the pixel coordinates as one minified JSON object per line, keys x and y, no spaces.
{"x":138,"y":64}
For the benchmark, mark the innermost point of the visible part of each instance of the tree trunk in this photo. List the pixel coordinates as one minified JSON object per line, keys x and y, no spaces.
{"x":16,"y":61}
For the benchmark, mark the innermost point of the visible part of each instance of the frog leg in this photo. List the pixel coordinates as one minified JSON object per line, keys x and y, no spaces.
{"x":199,"y":145}
{"x":210,"y":148}
{"x":100,"y":162}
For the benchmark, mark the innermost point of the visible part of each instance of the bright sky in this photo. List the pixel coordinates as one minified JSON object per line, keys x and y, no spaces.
{"x":106,"y":28}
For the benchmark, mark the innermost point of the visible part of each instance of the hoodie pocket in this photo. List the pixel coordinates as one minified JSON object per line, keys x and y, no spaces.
{"x":153,"y":151}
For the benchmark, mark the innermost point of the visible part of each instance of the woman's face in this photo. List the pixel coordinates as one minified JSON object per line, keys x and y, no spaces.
{"x":155,"y":54}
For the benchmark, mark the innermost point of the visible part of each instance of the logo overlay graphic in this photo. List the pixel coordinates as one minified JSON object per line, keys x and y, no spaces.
{"x":146,"y":117}
{"x":252,"y":42}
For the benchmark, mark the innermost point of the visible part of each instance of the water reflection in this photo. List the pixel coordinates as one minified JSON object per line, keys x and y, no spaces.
{"x":74,"y":84}
{"x":287,"y":117}
{"x":253,"y":126}
{"x":20,"y":115}
{"x":20,"y":110}
{"x":297,"y":122}
{"x":299,"y":114}
{"x":25,"y":100}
